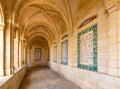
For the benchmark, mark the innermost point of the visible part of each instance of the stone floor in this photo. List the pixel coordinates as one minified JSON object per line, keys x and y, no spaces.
{"x":45,"y":78}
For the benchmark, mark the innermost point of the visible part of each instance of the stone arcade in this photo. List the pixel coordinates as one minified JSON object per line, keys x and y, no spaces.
{"x":59,"y":44}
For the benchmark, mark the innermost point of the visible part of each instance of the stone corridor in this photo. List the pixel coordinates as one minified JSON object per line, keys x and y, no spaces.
{"x":45,"y":78}
{"x":79,"y":40}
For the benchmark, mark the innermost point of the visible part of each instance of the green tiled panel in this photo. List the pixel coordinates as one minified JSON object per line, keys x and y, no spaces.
{"x":64,"y":51}
{"x":94,"y":67}
{"x":55,"y":53}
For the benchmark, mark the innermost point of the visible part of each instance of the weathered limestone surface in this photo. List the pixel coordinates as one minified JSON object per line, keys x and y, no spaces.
{"x":47,"y":23}
{"x":86,"y":79}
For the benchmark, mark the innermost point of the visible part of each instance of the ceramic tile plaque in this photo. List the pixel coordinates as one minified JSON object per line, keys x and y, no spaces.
{"x":65,"y":52}
{"x":55,"y":54}
{"x":87,"y":48}
{"x":37,"y":54}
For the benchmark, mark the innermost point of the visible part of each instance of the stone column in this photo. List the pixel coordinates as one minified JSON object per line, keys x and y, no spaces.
{"x":70,"y":48}
{"x":16,"y":48}
{"x":48,"y":54}
{"x":58,"y":52}
{"x":1,"y":51}
{"x":8,"y":48}
{"x":113,"y":9}
{"x":32,"y":54}
{"x":51,"y":53}
{"x":25,"y":53}
{"x":22,"y":52}
{"x":16,"y":53}
{"x":20,"y":61}
{"x":118,"y":42}
{"x":28,"y":54}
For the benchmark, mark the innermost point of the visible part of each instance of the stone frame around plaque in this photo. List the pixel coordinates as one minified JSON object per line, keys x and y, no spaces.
{"x":93,"y":67}
{"x":62,"y":60}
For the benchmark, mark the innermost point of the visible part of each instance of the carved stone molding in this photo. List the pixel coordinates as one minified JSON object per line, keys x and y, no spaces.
{"x":112,"y":5}
{"x":63,"y":37}
{"x":8,"y":22}
{"x":22,"y":39}
{"x":87,"y":21}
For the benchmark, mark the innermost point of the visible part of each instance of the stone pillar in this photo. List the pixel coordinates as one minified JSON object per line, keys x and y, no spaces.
{"x":1,"y":51}
{"x":20,"y":61}
{"x":48,"y":54}
{"x":8,"y":48}
{"x":25,"y":53}
{"x":16,"y":48}
{"x":113,"y":8}
{"x":16,"y":60}
{"x":118,"y":42}
{"x":51,"y":53}
{"x":28,"y":54}
{"x":30,"y":50}
{"x":73,"y":49}
{"x":32,"y":53}
{"x":58,"y":52}
{"x":21,"y":52}
{"x":70,"y":48}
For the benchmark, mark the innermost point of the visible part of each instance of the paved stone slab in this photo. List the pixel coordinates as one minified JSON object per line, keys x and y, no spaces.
{"x":45,"y":78}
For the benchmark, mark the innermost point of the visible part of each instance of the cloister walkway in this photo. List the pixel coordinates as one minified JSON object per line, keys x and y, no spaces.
{"x":45,"y":78}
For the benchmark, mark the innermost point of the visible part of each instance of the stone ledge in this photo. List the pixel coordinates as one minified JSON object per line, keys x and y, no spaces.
{"x":8,"y":82}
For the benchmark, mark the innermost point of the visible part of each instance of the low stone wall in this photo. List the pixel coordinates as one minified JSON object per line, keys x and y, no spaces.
{"x":86,"y":79}
{"x":14,"y":81}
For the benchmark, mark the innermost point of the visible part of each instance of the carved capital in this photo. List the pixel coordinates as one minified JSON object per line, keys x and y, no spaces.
{"x":22,"y":39}
{"x":112,"y":5}
{"x":25,"y":43}
{"x":8,"y":23}
{"x":16,"y":25}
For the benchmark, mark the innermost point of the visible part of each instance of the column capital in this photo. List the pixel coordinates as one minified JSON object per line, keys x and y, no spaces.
{"x":16,"y":25}
{"x":8,"y":22}
{"x":22,"y":39}
{"x":25,"y":43}
{"x":112,"y":5}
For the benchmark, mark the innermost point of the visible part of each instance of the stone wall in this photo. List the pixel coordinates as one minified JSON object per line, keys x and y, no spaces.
{"x":1,"y":51}
{"x":43,"y":60}
{"x":14,"y":81}
{"x":106,"y":75}
{"x":86,"y":79}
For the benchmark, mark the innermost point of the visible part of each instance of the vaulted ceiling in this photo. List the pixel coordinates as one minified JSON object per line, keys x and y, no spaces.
{"x":50,"y":19}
